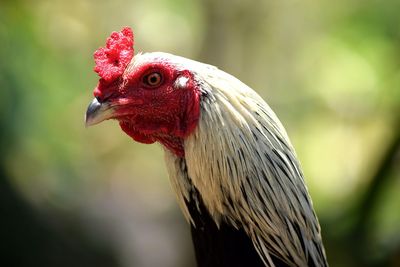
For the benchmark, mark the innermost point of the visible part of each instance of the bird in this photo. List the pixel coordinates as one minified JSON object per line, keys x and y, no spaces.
{"x":231,"y":164}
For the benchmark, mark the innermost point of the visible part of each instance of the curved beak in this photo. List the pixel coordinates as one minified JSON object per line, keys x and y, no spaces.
{"x":98,"y":112}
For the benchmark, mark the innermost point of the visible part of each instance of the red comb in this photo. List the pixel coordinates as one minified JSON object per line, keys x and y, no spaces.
{"x":112,"y":59}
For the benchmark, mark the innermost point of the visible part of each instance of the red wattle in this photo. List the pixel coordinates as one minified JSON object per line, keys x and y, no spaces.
{"x":136,"y":135}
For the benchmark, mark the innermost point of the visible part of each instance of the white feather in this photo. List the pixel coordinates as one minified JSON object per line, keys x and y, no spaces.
{"x":240,"y":151}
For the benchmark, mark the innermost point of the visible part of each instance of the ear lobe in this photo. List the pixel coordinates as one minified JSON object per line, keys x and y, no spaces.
{"x":181,"y":82}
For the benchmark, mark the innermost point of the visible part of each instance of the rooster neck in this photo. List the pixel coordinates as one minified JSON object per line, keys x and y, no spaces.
{"x":241,"y":163}
{"x":174,"y":144}
{"x":220,"y":245}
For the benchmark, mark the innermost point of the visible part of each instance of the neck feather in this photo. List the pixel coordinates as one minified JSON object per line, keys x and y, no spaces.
{"x":241,"y":162}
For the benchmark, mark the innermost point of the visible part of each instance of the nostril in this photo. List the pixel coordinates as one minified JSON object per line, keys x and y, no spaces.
{"x":104,"y":92}
{"x":104,"y":97}
{"x":101,"y":97}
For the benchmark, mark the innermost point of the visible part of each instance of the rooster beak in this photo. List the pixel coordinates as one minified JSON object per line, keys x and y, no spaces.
{"x":98,"y":112}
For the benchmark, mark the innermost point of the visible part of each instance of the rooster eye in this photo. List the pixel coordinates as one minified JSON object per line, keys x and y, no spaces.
{"x":152,"y":79}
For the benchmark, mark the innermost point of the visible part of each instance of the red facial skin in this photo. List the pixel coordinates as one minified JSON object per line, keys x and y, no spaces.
{"x":165,"y":113}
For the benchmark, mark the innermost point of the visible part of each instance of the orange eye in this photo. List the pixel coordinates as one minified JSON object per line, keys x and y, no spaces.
{"x":153,"y":79}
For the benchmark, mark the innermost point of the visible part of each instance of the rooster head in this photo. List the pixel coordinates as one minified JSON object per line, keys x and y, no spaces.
{"x":153,"y":97}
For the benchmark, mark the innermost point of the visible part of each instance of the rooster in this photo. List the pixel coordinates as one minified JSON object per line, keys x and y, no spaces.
{"x":234,"y":171}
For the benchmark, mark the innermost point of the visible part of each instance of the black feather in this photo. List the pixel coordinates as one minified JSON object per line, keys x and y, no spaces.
{"x":223,"y":246}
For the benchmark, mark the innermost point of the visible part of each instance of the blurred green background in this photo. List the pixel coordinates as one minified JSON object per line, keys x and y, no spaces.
{"x":71,"y":196}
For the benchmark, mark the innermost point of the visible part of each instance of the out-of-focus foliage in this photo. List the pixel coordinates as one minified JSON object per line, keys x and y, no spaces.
{"x":330,"y":70}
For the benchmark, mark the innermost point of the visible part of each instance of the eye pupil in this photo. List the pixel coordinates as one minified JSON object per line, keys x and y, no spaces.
{"x":153,"y":79}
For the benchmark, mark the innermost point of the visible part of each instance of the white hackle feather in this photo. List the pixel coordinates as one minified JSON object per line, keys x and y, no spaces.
{"x":244,"y":167}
